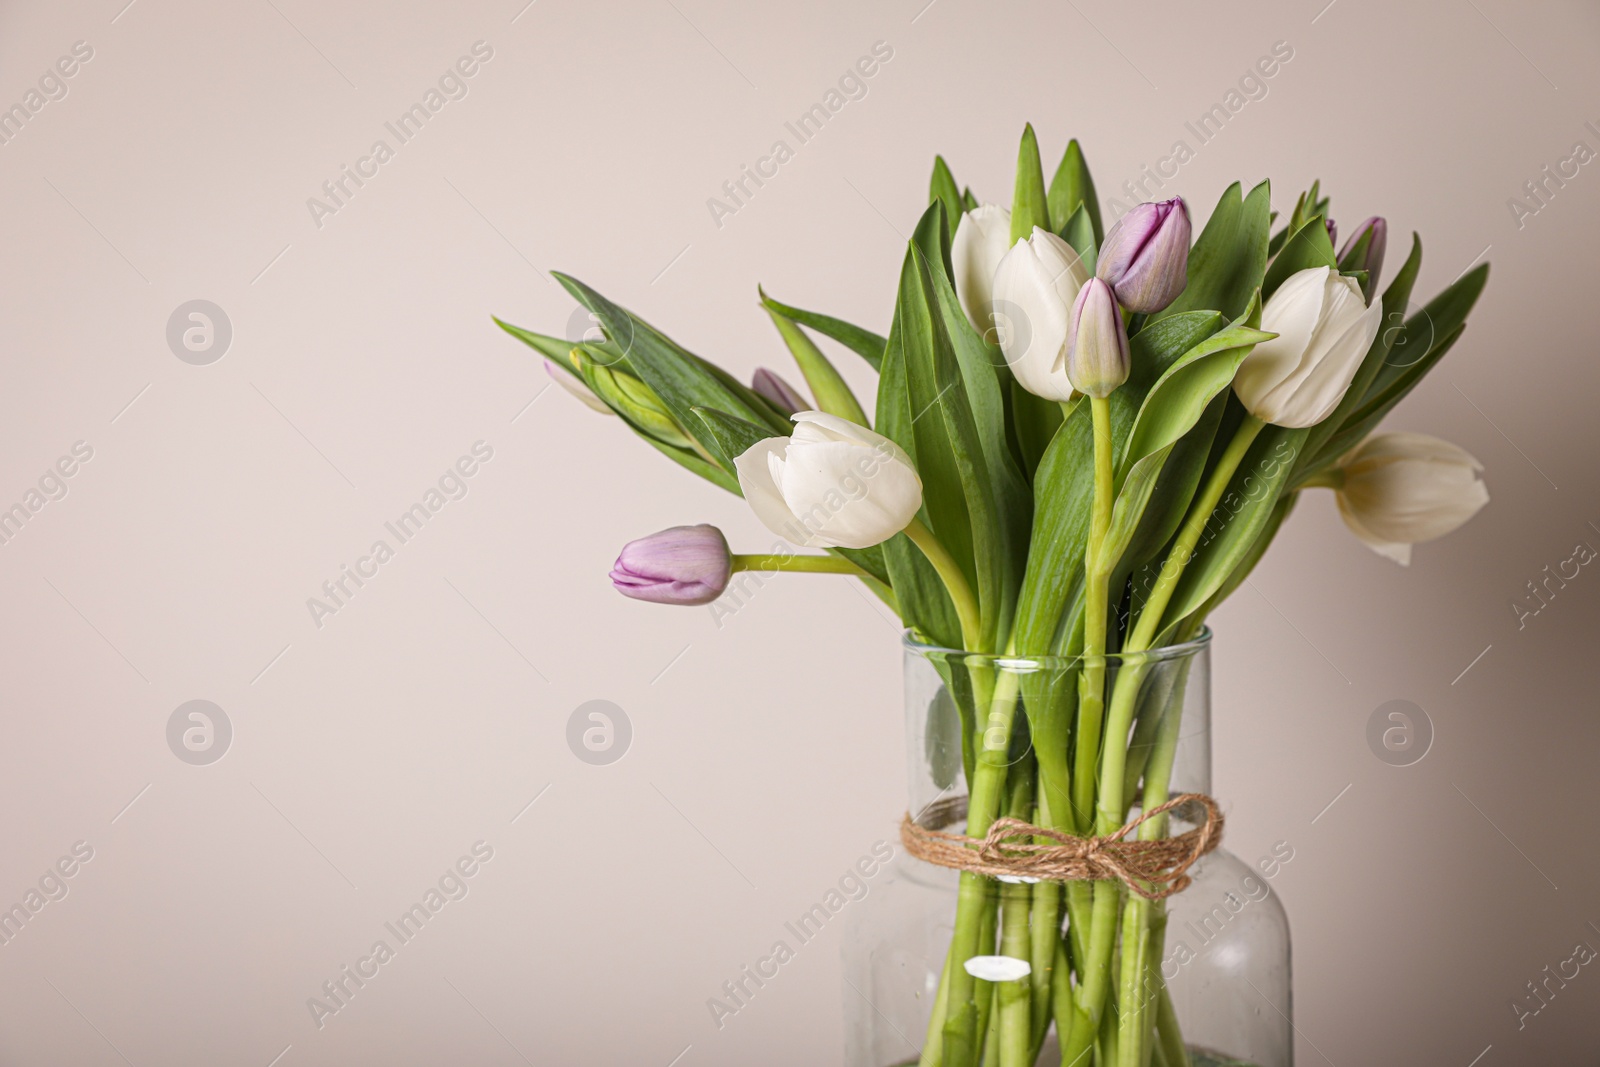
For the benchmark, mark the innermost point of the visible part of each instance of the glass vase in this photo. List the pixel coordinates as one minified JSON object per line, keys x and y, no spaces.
{"x":1213,"y":983}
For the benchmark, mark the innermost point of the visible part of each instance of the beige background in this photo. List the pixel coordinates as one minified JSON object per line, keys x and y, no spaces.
{"x":372,"y":752}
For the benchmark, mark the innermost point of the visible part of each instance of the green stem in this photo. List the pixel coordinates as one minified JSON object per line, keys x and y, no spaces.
{"x":975,"y":899}
{"x":1137,"y":965}
{"x":955,"y":583}
{"x":1091,"y":704}
{"x":1094,"y":971}
{"x":793,"y":562}
{"x":1189,"y":536}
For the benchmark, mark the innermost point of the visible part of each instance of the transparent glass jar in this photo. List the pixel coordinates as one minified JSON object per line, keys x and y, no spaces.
{"x":1217,"y":958}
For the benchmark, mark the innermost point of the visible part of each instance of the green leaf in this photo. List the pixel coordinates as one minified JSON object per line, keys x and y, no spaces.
{"x":828,"y":388}
{"x":734,"y":436}
{"x":925,"y":606}
{"x":554,"y":349}
{"x":682,"y":380}
{"x":958,"y":496}
{"x":1178,"y":398}
{"x":1173,"y":406}
{"x":1079,"y":232}
{"x":1033,"y":423}
{"x":1306,"y":247}
{"x":1242,"y":569}
{"x":1029,"y":202}
{"x":1071,"y":187}
{"x":1243,"y":512}
{"x":1436,"y":322}
{"x":864,"y":343}
{"x":1365,"y":419}
{"x":1228,"y":261}
{"x":694,"y":462}
{"x":1175,"y":489}
{"x":942,"y":188}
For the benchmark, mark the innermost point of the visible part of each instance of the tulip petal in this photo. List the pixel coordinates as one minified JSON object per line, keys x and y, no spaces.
{"x":1292,"y":314}
{"x":1034,"y":290}
{"x":1323,"y":385}
{"x":1399,"y":551}
{"x":847,"y":496}
{"x":758,"y":468}
{"x":982,"y":239}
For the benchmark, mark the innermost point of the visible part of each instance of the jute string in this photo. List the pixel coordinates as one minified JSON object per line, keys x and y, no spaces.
{"x":1153,"y":869}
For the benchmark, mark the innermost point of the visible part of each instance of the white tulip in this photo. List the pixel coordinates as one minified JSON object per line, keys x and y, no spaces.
{"x":833,"y":484}
{"x":1034,"y":290}
{"x":1396,"y":489}
{"x":1324,"y":329}
{"x":982,"y":238}
{"x":577,"y":387}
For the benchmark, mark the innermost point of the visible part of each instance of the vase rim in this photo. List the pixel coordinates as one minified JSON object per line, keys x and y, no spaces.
{"x":1198,"y":643}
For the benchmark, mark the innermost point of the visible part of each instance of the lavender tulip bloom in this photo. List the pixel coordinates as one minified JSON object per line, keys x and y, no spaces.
{"x":1372,"y":262}
{"x":1145,"y":257}
{"x":788,"y":399}
{"x":680,"y":565}
{"x":1097,"y":342}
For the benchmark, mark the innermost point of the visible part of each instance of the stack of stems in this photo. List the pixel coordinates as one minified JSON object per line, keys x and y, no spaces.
{"x":1100,"y":980}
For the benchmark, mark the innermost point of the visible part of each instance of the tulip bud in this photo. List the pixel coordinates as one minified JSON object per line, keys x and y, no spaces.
{"x":1097,"y":341}
{"x":1033,"y":293}
{"x":1324,"y":329}
{"x":833,"y":484}
{"x":1372,"y":260}
{"x":681,"y":565}
{"x":1333,"y":231}
{"x":982,"y":239}
{"x":1396,"y":489}
{"x":1145,"y":257}
{"x":632,"y":398}
{"x":785,"y":396}
{"x":574,"y":385}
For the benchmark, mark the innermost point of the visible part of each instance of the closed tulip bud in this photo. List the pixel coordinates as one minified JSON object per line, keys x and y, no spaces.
{"x":1324,"y":330}
{"x":681,"y":565}
{"x":1333,"y":231}
{"x":982,"y":239}
{"x":833,"y":484}
{"x":785,"y":396}
{"x":1145,"y":257}
{"x":1034,"y":290}
{"x":633,"y":399}
{"x":1097,"y":341}
{"x":1396,"y":489}
{"x":574,"y":385}
{"x":1372,"y":261}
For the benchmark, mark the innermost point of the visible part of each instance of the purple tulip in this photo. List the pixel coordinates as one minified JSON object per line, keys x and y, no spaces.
{"x":1145,"y":257}
{"x":1333,"y":231}
{"x":1097,"y":341}
{"x":788,"y":399}
{"x":1373,"y":262}
{"x":680,"y":565}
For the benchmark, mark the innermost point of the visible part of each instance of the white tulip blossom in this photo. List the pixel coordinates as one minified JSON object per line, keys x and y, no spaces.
{"x":1034,"y":290}
{"x":982,"y":238}
{"x":1324,"y":329}
{"x":833,"y":484}
{"x":1395,"y":489}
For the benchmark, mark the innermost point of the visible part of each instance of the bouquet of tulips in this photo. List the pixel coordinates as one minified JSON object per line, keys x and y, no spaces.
{"x":1082,"y":441}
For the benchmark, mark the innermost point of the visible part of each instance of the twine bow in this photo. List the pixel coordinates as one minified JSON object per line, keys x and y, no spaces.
{"x":1152,"y":869}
